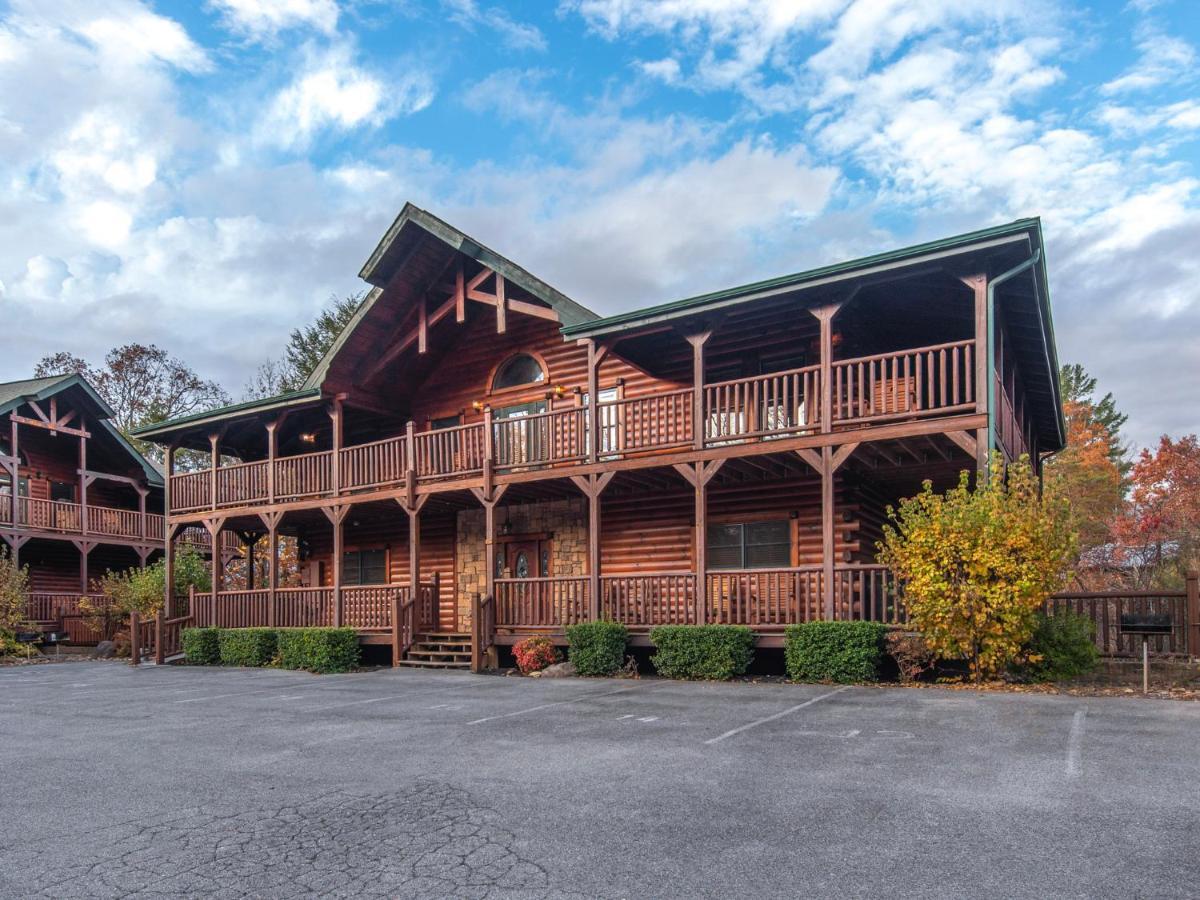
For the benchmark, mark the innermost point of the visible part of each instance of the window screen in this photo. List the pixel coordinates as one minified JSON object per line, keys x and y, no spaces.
{"x":364,"y":567}
{"x":754,"y":545}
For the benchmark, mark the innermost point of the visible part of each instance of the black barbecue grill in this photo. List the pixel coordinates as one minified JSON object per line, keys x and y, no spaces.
{"x":1146,"y":625}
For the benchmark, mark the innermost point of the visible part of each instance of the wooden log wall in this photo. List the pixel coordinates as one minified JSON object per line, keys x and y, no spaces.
{"x":54,"y":565}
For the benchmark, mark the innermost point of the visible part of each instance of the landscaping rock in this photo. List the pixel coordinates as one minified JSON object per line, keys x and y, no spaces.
{"x":104,"y":650}
{"x":558,"y":670}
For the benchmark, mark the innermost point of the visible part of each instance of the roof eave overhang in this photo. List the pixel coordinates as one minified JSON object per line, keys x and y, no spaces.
{"x":170,"y":431}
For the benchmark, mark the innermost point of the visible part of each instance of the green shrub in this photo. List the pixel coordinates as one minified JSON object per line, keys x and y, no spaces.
{"x":201,"y":646}
{"x":843,"y":652}
{"x":321,"y":650}
{"x":247,"y":646}
{"x":1063,"y":646}
{"x":707,"y":652}
{"x":597,"y":648}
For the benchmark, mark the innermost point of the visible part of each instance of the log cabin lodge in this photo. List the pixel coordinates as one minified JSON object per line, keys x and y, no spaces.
{"x":85,"y":500}
{"x":479,"y":456}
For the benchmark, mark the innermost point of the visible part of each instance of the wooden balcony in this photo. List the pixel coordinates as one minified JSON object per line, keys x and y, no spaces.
{"x":367,"y":608}
{"x":863,"y":392}
{"x":59,"y":517}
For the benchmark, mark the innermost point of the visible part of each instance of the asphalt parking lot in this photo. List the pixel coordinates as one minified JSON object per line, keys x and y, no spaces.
{"x":259,"y":783}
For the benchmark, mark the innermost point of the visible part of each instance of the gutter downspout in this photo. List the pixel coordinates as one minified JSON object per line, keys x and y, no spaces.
{"x":994,"y":283}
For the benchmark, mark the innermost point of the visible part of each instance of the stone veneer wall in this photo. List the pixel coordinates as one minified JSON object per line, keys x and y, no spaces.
{"x":564,"y":520}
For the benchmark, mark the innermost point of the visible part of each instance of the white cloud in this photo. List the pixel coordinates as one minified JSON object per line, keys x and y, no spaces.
{"x":265,"y":18}
{"x":516,"y":35}
{"x":141,"y":35}
{"x":1163,"y":59}
{"x":331,"y":92}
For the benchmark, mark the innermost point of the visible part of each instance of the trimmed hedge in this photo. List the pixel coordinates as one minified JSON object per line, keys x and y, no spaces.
{"x":704,"y":652}
{"x":597,"y":648}
{"x":321,"y":650}
{"x":247,"y":646}
{"x":201,"y":646}
{"x":842,"y":652}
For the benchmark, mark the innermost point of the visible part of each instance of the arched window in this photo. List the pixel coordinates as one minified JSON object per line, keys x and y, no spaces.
{"x":518,"y":370}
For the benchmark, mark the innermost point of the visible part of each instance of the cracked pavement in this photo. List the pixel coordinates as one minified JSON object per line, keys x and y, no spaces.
{"x":229,"y":783}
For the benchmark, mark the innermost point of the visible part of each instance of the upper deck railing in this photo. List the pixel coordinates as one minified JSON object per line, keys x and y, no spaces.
{"x":928,"y":381}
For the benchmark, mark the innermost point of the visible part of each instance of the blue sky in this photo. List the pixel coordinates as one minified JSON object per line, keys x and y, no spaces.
{"x":205,"y":175}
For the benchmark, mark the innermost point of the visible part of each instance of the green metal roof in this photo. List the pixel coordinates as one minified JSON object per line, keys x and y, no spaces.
{"x":250,"y":407}
{"x":836,"y":272}
{"x":17,"y":393}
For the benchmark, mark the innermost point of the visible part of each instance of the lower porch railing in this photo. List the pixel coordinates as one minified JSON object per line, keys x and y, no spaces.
{"x":365,"y":607}
{"x":761,"y":598}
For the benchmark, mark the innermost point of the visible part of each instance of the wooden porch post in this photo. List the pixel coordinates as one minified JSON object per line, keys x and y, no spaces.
{"x":168,"y":536}
{"x":336,"y":516}
{"x":213,"y":526}
{"x":83,"y":479}
{"x":489,"y":502}
{"x":826,"y":462}
{"x":272,"y":452}
{"x":271,"y":521}
{"x":412,"y":504}
{"x":978,"y":285}
{"x":698,"y":339}
{"x":596,"y":354}
{"x":85,"y":549}
{"x":592,"y":486}
{"x":214,"y":441}
{"x":698,"y":475}
{"x":16,"y":480}
{"x":142,"y":492}
{"x":335,"y":421}
{"x":824,"y":315}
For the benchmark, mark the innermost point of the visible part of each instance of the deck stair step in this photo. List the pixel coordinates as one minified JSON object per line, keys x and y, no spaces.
{"x":439,"y":650}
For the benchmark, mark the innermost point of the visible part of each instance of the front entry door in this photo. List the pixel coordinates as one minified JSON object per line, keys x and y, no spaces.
{"x":523,"y":559}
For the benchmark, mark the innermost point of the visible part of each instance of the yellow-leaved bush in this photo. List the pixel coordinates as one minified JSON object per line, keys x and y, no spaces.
{"x":978,"y":563}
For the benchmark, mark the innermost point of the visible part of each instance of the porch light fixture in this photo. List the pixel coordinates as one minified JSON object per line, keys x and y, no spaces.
{"x":505,"y":528}
{"x":477,"y":405}
{"x":559,"y":390}
{"x":308,"y":437}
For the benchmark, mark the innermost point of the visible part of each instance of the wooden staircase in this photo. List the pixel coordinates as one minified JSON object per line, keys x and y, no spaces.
{"x":439,"y":650}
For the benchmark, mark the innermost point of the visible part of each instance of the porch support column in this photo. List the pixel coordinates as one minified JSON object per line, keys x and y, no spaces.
{"x":169,"y":538}
{"x":826,"y":462}
{"x":983,"y":384}
{"x":270,"y":521}
{"x":214,"y":441}
{"x":272,"y":452}
{"x":489,"y":501}
{"x":16,"y":480}
{"x":824,"y":315}
{"x":142,"y":492}
{"x":15,"y":543}
{"x":84,"y":480}
{"x":698,"y":339}
{"x":336,"y":516}
{"x":592,"y":486}
{"x":213,"y":526}
{"x":335,"y":421}
{"x":85,"y":548}
{"x":412,"y":504}
{"x":596,"y":354}
{"x":698,"y":475}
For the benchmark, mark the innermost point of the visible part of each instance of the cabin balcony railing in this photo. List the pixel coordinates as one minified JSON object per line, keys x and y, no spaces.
{"x":365,"y":607}
{"x":927,"y":381}
{"x":646,"y":600}
{"x":449,"y":451}
{"x":937,"y":380}
{"x":545,"y":438}
{"x":62,"y":517}
{"x":1008,"y":426}
{"x":373,"y":465}
{"x":866,"y":591}
{"x":766,"y":406}
{"x":243,"y":483}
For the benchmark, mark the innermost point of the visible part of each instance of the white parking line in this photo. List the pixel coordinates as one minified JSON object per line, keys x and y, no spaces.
{"x":1074,"y":740}
{"x":778,"y":715}
{"x":521,"y":712}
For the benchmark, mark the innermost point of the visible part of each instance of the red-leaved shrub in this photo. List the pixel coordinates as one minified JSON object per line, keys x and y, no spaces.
{"x":535,"y":653}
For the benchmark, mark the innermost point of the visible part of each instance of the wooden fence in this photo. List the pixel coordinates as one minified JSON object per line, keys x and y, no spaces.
{"x":1105,"y":609}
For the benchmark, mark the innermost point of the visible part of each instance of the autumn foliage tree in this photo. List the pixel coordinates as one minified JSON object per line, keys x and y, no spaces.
{"x":1158,"y":534}
{"x":978,"y":563}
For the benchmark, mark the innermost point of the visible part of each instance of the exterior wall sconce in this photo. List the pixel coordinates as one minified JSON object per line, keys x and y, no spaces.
{"x":308,"y":437}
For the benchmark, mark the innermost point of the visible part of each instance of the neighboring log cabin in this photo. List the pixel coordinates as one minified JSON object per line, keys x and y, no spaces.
{"x":479,"y":452}
{"x":76,"y":498}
